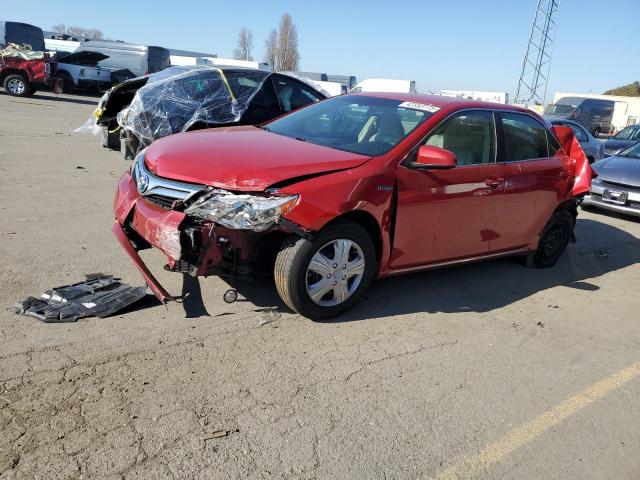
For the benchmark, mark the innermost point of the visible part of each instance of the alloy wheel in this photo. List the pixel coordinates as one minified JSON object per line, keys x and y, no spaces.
{"x":16,"y":86}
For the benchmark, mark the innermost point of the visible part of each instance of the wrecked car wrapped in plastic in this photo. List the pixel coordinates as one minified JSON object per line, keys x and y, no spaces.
{"x":177,"y":99}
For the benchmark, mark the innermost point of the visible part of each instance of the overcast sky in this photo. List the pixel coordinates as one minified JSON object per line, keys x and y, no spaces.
{"x":457,"y":44}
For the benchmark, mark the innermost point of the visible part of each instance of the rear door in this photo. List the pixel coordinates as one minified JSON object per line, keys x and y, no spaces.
{"x":449,"y":214}
{"x":537,"y":179}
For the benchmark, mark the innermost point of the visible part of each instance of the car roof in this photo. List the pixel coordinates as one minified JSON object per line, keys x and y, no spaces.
{"x":442,"y":101}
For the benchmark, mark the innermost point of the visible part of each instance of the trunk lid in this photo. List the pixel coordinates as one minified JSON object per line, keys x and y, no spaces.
{"x":619,"y":170}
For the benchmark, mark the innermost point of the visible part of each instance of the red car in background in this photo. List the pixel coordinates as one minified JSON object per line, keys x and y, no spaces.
{"x":20,"y":76}
{"x":356,"y":187}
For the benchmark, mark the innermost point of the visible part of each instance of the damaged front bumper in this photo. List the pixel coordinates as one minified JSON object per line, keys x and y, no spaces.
{"x":192,"y":245}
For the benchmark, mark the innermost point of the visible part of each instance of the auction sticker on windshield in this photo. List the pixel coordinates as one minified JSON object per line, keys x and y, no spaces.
{"x":425,"y":107}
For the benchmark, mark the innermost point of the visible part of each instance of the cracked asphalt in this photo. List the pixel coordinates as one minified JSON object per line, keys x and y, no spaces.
{"x":417,"y":380}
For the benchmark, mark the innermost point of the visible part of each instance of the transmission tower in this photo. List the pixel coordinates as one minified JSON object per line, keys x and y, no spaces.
{"x":532,"y":87}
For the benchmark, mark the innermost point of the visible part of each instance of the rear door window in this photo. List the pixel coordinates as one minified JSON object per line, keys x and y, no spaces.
{"x":263,"y":105}
{"x":293,"y":94}
{"x":524,"y":137}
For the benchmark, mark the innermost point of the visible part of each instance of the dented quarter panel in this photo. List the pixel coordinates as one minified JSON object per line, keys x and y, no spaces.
{"x":580,"y":168}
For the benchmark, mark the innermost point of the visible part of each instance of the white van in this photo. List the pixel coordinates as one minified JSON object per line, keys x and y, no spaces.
{"x":232,"y":62}
{"x":385,"y":85}
{"x":140,"y":59}
{"x":332,"y":88}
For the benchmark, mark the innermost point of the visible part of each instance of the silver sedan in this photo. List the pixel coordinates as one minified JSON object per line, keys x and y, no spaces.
{"x":617,"y":184}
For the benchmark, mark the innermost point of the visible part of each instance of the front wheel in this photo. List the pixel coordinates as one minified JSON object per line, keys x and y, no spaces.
{"x":324,"y":277}
{"x":553,"y":241}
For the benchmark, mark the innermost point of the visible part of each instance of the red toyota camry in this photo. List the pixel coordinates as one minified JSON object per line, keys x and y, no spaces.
{"x":356,"y":187}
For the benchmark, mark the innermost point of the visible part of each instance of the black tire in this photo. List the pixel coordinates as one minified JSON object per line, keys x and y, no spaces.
{"x":292,"y":261}
{"x":129,"y":145}
{"x":111,"y":138}
{"x":17,"y":85}
{"x":553,"y":241}
{"x":67,"y":81}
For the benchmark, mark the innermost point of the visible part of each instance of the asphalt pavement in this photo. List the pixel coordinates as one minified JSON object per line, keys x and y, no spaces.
{"x":488,"y":371}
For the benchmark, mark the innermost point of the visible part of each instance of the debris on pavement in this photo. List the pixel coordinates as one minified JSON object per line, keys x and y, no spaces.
{"x":98,"y":296}
{"x":268,"y":317}
{"x":217,"y":434}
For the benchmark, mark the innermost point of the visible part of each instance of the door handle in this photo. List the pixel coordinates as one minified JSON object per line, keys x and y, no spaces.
{"x":494,"y":182}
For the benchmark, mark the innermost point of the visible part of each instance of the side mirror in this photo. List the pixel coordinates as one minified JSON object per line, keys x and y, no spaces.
{"x":433,"y":158}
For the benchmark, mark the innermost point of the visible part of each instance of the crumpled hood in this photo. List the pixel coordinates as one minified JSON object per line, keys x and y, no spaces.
{"x":624,"y":170}
{"x":242,"y":158}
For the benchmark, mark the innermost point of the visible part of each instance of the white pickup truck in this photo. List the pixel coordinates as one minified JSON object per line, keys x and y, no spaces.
{"x":81,"y":70}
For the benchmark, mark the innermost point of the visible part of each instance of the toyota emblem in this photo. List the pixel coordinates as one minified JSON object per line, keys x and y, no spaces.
{"x":143,"y":183}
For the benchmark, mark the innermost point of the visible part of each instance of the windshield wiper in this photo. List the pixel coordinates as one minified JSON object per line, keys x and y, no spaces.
{"x":301,"y":139}
{"x":264,"y":127}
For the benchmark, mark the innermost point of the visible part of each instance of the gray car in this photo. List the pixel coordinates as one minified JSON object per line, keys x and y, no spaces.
{"x":617,"y":184}
{"x":592,"y":147}
{"x":623,"y":139}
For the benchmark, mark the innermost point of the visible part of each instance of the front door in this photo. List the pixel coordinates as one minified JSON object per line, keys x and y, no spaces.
{"x":450,"y":214}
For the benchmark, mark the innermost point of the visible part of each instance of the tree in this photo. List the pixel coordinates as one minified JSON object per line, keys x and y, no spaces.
{"x":245,"y":45}
{"x":271,"y":48}
{"x":91,"y":33}
{"x":94,"y":34}
{"x":631,"y":90}
{"x":287,"y":56}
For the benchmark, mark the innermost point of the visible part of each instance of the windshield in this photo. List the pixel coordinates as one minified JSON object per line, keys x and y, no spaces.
{"x":629,"y":133}
{"x":632,"y":151}
{"x":359,"y":124}
{"x":559,"y":109}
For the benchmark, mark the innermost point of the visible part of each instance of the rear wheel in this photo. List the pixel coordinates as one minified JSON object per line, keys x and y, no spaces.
{"x":324,"y":277}
{"x":553,"y":241}
{"x":67,"y":81}
{"x":17,"y":85}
